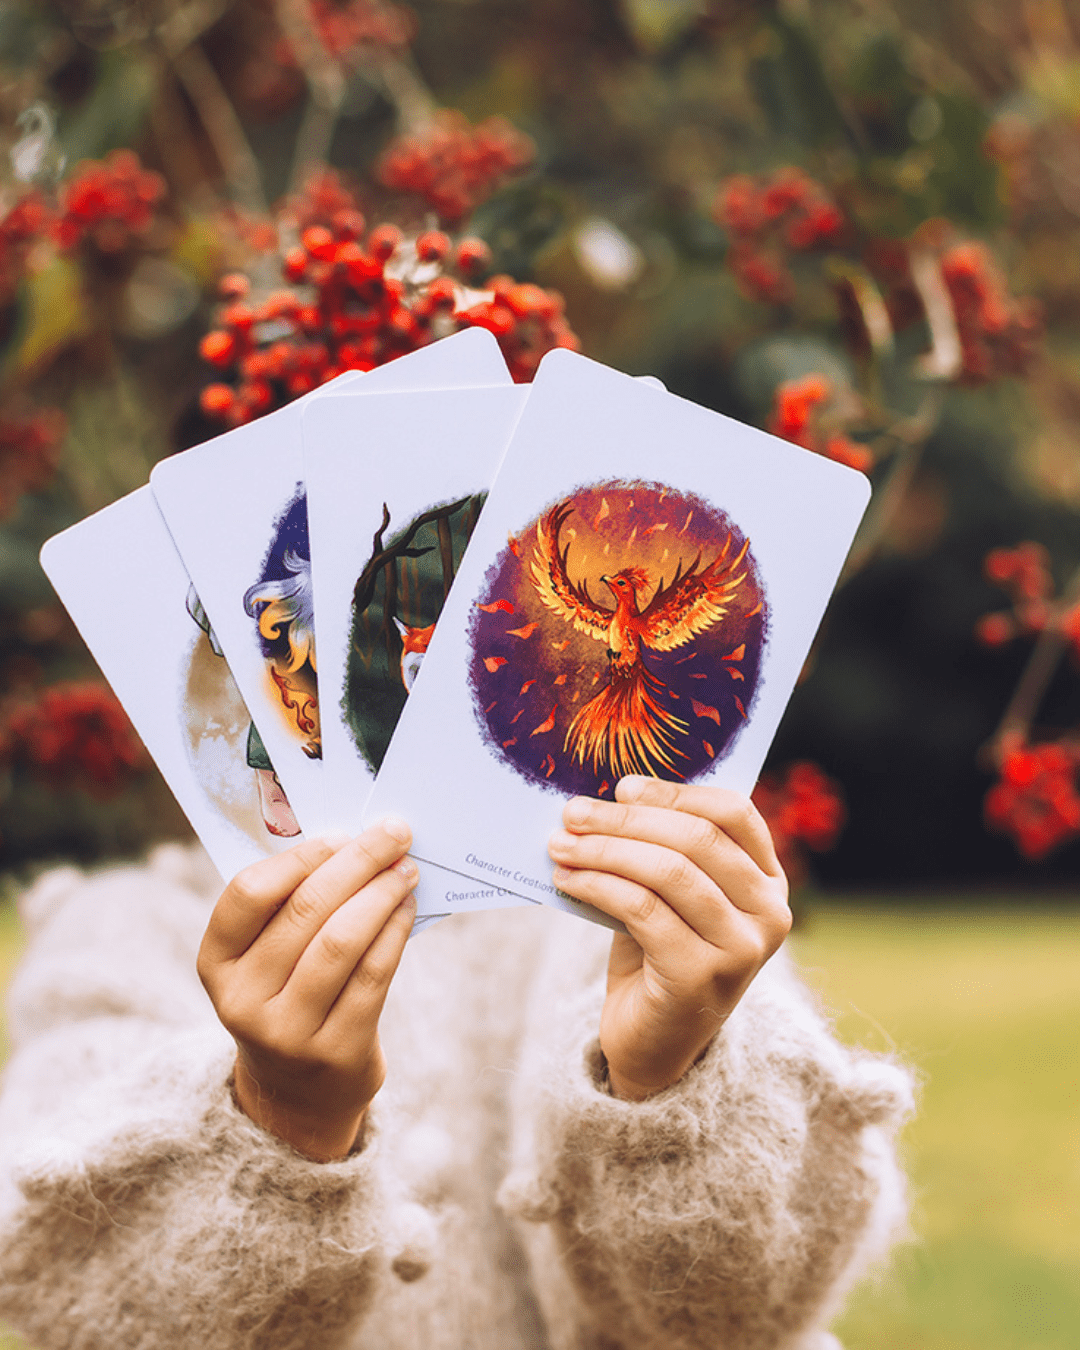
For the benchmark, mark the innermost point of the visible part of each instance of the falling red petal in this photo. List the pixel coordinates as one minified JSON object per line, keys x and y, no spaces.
{"x":527,"y":686}
{"x":515,"y":546}
{"x":496,"y":606}
{"x":546,"y":724}
{"x":695,"y":675}
{"x":755,"y":610}
{"x":685,"y":658}
{"x":516,"y":716}
{"x":596,"y":677}
{"x":526,"y":632}
{"x":561,"y":646}
{"x":736,"y":674}
{"x":603,"y":513}
{"x":550,"y":762}
{"x":494,"y":662}
{"x":489,"y":707}
{"x":737,"y":654}
{"x":603,"y":787}
{"x":655,"y":529}
{"x":511,"y":741}
{"x":686,"y":522}
{"x":560,"y":679}
{"x":708,"y":749}
{"x":742,"y":710}
{"x":705,"y":710}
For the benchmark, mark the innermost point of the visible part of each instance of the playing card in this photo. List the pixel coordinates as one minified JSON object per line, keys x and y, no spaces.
{"x":392,"y":502}
{"x":236,"y":510}
{"x":638,"y":596}
{"x":121,"y":579}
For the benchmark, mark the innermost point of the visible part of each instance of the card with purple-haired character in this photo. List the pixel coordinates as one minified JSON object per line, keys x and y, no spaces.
{"x":237,"y":511}
{"x":638,"y":597}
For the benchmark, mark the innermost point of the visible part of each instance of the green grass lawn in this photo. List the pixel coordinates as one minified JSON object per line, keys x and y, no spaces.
{"x":986,"y":1004}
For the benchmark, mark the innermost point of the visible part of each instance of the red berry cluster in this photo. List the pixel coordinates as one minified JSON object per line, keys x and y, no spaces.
{"x":796,"y":417}
{"x":803,"y":808}
{"x":344,"y":25}
{"x":366,"y":299}
{"x":999,"y":334}
{"x":108,"y":203}
{"x":27,"y":220}
{"x":75,"y":732}
{"x":765,"y":218}
{"x":1024,"y":574}
{"x":1035,"y":800}
{"x":453,"y":165}
{"x":29,"y":453}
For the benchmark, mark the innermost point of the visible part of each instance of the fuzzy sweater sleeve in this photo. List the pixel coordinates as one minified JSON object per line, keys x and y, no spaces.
{"x":734,"y":1209}
{"x":138,"y":1205}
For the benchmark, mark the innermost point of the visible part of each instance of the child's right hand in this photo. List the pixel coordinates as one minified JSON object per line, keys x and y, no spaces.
{"x":297,"y":959}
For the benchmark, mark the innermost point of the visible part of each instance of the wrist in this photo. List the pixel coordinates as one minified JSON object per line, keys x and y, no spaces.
{"x":311,"y":1129}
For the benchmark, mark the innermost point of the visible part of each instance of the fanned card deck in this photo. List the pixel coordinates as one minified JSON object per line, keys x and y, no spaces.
{"x":430,"y":592}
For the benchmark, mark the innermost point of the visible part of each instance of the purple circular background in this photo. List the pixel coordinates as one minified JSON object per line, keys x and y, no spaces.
{"x":531,"y":672}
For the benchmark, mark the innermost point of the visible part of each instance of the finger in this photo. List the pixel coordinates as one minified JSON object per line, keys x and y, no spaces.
{"x":257,"y":892}
{"x":340,"y":945}
{"x":274,"y":953}
{"x":707,"y":846}
{"x":730,"y":811}
{"x":668,"y":876}
{"x":361,"y":1000}
{"x":672,"y":948}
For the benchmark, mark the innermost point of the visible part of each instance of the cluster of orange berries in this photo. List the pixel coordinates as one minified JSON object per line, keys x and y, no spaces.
{"x":344,"y":25}
{"x":75,"y":732}
{"x":29,"y":452}
{"x":108,"y":203}
{"x":766,"y":217}
{"x":803,"y":808}
{"x":998,"y":333}
{"x":453,"y":165}
{"x":796,"y":417}
{"x":25,"y":222}
{"x":362,"y":300}
{"x":1035,"y":800}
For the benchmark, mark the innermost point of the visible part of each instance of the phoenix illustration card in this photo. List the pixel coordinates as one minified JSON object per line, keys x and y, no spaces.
{"x":392,"y":502}
{"x":236,"y":508}
{"x":638,"y":597}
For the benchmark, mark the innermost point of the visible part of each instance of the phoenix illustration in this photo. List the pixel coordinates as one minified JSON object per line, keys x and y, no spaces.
{"x":626,"y":725}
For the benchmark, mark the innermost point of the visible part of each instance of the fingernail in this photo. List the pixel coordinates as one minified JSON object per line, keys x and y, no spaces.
{"x":560,"y":842}
{"x":409,"y":905}
{"x":406,"y":868}
{"x":397,"y":829}
{"x":560,"y":875}
{"x":576,"y":811}
{"x":633,"y":785}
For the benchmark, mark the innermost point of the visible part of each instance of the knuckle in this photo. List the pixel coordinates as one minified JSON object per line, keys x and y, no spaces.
{"x":304,"y":908}
{"x":701,"y":834}
{"x":642,"y":906}
{"x":246,"y":890}
{"x":674,"y":871}
{"x":332,"y":949}
{"x":371,"y":977}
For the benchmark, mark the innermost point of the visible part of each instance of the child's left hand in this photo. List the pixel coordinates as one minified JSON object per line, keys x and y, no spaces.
{"x":692,"y":873}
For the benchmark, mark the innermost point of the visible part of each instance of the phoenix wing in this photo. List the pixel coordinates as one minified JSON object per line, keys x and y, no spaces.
{"x":556,"y":590}
{"x":693,"y":602}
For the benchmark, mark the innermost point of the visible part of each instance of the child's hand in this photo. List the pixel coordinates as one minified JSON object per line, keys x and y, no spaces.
{"x":297,"y":960}
{"x":692,"y":873}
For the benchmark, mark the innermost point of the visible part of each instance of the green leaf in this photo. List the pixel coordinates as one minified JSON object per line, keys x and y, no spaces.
{"x":656,"y":25}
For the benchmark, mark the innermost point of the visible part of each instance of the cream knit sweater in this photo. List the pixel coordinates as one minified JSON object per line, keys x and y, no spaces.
{"x":500,"y":1199}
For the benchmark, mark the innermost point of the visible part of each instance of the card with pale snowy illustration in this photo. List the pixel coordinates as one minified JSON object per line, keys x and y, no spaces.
{"x":392,"y":503}
{"x":638,"y":597}
{"x":122,"y":580}
{"x":237,"y":512}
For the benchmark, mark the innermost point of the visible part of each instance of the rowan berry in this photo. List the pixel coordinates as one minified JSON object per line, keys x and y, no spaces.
{"x":384,"y":241}
{"x":432,"y":246}
{"x":471,"y":255}
{"x":218,"y":348}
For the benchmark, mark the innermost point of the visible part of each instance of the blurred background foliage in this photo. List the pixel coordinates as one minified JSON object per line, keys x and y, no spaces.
{"x":849,"y":220}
